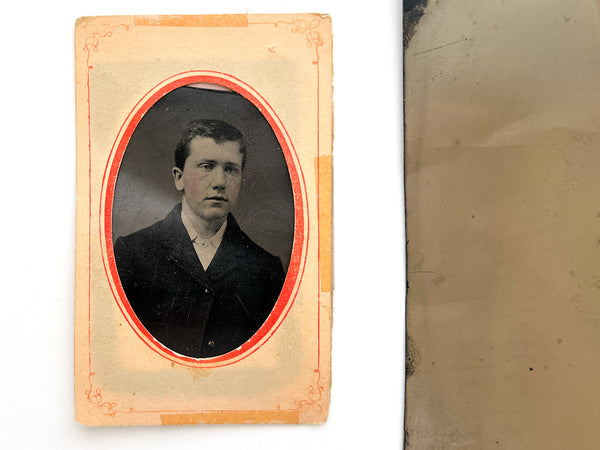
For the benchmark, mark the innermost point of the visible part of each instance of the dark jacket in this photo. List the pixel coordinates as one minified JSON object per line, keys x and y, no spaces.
{"x":189,"y":310}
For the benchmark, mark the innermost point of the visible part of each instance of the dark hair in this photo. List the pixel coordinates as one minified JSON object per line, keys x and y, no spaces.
{"x":211,"y":128}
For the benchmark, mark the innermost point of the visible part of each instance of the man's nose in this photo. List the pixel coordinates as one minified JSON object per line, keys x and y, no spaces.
{"x":218,"y":180}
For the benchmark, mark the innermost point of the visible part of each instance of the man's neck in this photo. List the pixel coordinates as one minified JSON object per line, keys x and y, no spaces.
{"x":206,"y":229}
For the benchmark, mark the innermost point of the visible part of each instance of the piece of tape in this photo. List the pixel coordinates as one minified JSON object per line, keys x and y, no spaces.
{"x":323,"y":167}
{"x":213,"y":20}
{"x":222,"y":417}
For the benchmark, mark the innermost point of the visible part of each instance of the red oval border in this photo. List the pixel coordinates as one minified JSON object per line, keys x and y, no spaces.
{"x":301,"y":229}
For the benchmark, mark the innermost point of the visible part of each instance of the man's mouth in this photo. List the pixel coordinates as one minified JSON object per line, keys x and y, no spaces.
{"x":217,"y":198}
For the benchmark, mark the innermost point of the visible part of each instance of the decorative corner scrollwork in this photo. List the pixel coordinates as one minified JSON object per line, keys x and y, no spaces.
{"x":310,"y":30}
{"x":313,"y":400}
{"x":94,"y":396}
{"x":96,"y":35}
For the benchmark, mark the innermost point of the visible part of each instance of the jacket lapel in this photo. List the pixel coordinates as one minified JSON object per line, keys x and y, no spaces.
{"x":229,"y":255}
{"x":179,"y":246}
{"x":180,"y":249}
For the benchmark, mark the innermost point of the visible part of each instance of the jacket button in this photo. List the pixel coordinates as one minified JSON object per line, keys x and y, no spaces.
{"x":207,"y":291}
{"x":211,"y":343}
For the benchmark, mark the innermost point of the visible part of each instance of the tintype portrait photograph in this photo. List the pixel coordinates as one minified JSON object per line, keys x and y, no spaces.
{"x":202,"y":220}
{"x":204,"y":230}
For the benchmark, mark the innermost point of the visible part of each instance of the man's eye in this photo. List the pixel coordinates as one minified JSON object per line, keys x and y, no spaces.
{"x":205,"y":166}
{"x":231,"y":170}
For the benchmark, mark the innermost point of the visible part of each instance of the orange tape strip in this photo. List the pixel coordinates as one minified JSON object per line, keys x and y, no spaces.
{"x":214,"y":20}
{"x":221,"y":417}
{"x":325,"y":185}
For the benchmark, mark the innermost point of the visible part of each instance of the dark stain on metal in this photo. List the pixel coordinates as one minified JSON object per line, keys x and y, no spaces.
{"x":412,"y":356}
{"x":413,"y":11}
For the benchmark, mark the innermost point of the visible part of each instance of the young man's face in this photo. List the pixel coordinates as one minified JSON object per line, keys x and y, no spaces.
{"x":211,"y":178}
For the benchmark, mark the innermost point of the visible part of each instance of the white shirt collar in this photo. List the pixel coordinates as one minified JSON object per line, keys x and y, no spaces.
{"x":205,"y":248}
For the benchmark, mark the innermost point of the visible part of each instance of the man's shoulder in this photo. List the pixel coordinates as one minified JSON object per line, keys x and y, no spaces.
{"x":243,"y":244}
{"x":157,"y":233}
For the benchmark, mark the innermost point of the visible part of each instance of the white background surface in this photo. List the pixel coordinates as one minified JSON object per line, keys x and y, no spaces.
{"x":38,"y":231}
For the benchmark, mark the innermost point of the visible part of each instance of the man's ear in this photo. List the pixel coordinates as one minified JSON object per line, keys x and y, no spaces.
{"x":177,"y":178}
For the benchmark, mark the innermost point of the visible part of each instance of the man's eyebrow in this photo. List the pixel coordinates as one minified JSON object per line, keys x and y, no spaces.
{"x":216,"y":161}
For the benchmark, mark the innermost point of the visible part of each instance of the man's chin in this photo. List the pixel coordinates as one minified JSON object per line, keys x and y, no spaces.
{"x":215,"y":214}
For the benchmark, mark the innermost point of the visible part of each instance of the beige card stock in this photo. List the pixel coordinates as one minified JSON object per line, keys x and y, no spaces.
{"x":503,"y":225}
{"x":139,"y":81}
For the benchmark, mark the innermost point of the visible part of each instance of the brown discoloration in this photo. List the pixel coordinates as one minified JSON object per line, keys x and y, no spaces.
{"x":439,"y":279}
{"x":198,"y":373}
{"x":83,"y":19}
